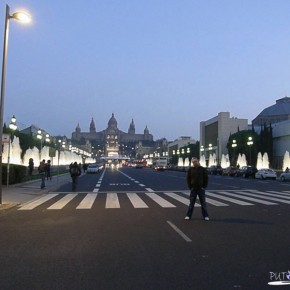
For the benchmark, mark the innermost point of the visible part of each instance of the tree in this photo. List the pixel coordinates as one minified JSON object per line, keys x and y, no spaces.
{"x":242,"y":147}
{"x":266,"y":141}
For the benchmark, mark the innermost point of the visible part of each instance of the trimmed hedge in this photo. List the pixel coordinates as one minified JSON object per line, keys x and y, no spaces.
{"x":16,"y":173}
{"x":19,"y":173}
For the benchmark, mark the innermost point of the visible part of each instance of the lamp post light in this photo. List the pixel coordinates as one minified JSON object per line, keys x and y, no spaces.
{"x":250,"y":143}
{"x":234,"y":145}
{"x":12,"y":124}
{"x":61,"y":144}
{"x":201,"y":149}
{"x":39,"y":136}
{"x":209,"y":149}
{"x":13,"y":127}
{"x":24,"y":18}
{"x":47,"y":139}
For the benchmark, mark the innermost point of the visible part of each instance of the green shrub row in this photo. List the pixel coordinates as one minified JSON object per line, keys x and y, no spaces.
{"x":19,"y":173}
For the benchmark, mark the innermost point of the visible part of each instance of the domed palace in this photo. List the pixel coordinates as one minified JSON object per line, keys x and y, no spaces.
{"x":112,"y":141}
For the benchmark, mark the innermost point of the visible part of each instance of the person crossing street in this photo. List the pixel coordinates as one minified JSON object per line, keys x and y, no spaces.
{"x":75,"y":172}
{"x":197,"y":181}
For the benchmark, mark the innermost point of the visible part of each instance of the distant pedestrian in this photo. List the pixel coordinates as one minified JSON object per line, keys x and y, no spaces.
{"x":197,"y":180}
{"x":47,"y":170}
{"x":41,"y":171}
{"x":30,"y":166}
{"x":75,"y":172}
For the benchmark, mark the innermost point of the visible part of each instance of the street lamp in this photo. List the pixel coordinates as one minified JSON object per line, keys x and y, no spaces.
{"x":12,"y":124}
{"x":39,"y":136}
{"x":58,"y":157}
{"x":24,"y":18}
{"x":234,"y":145}
{"x":47,"y":139}
{"x":201,"y":149}
{"x":13,"y":127}
{"x":61,"y":145}
{"x":250,"y":143}
{"x":209,"y":149}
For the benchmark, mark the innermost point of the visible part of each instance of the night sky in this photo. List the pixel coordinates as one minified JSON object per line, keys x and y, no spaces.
{"x":168,"y":64}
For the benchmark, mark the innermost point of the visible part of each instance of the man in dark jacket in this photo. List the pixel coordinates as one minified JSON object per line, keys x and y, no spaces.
{"x":197,"y":180}
{"x":75,"y":172}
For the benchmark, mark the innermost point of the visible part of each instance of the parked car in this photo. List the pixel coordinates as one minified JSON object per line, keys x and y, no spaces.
{"x":215,"y":170}
{"x":247,"y":171}
{"x":159,"y":168}
{"x":93,"y":168}
{"x":161,"y":165}
{"x":139,"y":165}
{"x":266,"y":173}
{"x":285,"y":176}
{"x":230,"y":171}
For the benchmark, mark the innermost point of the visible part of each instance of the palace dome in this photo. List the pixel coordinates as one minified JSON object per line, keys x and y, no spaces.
{"x":112,"y":122}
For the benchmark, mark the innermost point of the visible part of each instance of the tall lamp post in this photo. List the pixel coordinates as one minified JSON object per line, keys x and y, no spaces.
{"x":201,"y":150}
{"x":61,"y":145}
{"x":234,"y":145}
{"x":39,"y":136}
{"x":24,"y":18}
{"x":13,"y":127}
{"x":250,"y":143}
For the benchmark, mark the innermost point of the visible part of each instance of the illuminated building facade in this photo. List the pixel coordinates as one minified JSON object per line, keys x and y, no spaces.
{"x":112,"y":140}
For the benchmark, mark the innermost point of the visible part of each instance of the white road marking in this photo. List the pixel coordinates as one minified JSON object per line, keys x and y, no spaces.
{"x":178,"y":197}
{"x":136,"y":201}
{"x":34,"y":204}
{"x":63,"y":202}
{"x":272,"y":193}
{"x":240,"y":196}
{"x":240,"y":202}
{"x":87,"y":202}
{"x":183,"y":235}
{"x":264,"y":195}
{"x":112,"y":201}
{"x":159,"y":200}
{"x":215,"y":202}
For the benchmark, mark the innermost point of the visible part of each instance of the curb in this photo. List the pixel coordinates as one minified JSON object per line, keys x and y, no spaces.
{"x":5,"y":206}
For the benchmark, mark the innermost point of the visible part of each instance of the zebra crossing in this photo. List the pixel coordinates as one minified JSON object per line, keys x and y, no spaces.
{"x":166,"y":199}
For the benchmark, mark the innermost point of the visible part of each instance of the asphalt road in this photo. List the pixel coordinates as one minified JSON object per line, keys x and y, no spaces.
{"x":125,"y":229}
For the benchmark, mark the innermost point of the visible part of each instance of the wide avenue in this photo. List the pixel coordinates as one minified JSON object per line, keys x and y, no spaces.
{"x":125,"y":229}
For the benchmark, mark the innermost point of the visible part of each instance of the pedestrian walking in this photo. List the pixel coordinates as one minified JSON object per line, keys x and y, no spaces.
{"x":30,"y":166}
{"x":197,"y":180}
{"x":75,"y":172}
{"x":47,"y":170}
{"x":41,"y":171}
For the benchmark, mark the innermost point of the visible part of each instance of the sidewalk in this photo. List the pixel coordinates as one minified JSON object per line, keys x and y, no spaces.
{"x":23,"y":192}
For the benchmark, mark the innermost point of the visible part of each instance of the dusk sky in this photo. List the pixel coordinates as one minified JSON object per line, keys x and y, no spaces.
{"x":168,"y":64}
